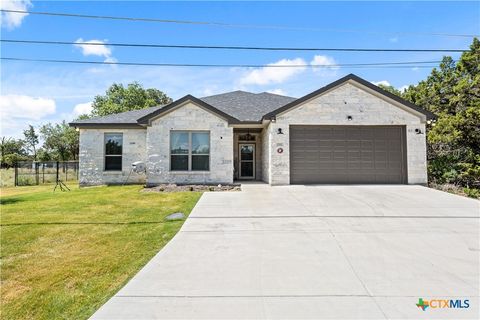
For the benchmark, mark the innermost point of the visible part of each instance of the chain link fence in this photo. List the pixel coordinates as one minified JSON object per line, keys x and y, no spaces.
{"x":28,"y":173}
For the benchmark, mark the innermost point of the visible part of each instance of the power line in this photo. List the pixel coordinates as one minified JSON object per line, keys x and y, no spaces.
{"x":151,"y":45}
{"x":350,"y":65}
{"x":230,"y":25}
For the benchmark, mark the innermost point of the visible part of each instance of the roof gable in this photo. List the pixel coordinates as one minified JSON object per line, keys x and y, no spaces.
{"x":145,"y":120}
{"x":351,"y":78}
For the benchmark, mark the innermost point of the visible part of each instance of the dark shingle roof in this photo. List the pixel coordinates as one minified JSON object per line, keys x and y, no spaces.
{"x":129,"y":117}
{"x":247,"y":106}
{"x":244,"y":106}
{"x":239,"y":106}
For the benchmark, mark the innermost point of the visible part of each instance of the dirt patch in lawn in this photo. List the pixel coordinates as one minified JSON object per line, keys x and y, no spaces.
{"x":191,"y":187}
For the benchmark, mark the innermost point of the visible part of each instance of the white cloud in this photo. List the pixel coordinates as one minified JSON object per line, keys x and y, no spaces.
{"x":320,"y":60}
{"x":96,"y":48}
{"x":415,"y":68}
{"x":82,"y":108}
{"x":266,"y":75}
{"x":383,"y":82}
{"x":111,"y":60}
{"x":403,"y":88}
{"x":277,"y":91}
{"x":11,"y":20}
{"x":25,"y":107}
{"x":394,"y":39}
{"x":16,"y":111}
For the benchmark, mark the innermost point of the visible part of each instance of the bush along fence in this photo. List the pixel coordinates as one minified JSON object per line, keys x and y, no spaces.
{"x":28,"y":173}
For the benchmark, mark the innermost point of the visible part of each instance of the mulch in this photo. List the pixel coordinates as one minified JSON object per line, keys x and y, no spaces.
{"x":191,"y":187}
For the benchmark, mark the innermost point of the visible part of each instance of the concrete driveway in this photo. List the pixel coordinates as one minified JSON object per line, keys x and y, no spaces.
{"x":311,"y":252}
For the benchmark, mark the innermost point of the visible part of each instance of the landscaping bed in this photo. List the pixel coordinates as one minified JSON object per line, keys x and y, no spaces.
{"x":192,"y":187}
{"x":458,"y":190}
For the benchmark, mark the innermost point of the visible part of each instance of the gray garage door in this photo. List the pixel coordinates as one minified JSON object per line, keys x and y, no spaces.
{"x":347,"y":154}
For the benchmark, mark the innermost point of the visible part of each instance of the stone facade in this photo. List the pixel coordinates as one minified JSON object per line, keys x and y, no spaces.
{"x":332,"y":108}
{"x":266,"y":155}
{"x":189,"y":117}
{"x":152,"y":144}
{"x":92,"y":157}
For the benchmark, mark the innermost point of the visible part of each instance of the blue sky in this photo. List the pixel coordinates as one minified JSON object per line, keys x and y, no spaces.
{"x":34,"y":93}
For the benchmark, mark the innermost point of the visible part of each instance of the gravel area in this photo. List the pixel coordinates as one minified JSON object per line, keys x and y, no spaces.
{"x":191,"y":187}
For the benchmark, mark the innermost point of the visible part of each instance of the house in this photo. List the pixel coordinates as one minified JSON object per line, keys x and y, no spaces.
{"x":349,"y":131}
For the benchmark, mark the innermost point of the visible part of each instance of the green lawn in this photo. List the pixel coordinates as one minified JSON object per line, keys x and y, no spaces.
{"x":64,"y":254}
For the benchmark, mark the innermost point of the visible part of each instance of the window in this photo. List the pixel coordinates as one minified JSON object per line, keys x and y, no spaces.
{"x":113,"y":151}
{"x":189,"y":151}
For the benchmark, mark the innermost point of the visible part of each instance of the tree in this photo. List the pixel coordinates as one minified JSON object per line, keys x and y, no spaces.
{"x":390,"y":89}
{"x":31,"y":140}
{"x":43,"y":155}
{"x":118,"y":99}
{"x":11,"y":151}
{"x":60,"y":140}
{"x":452,"y":92}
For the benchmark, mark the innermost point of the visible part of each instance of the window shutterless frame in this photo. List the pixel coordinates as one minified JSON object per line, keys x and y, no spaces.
{"x":107,"y":156}
{"x":190,"y":154}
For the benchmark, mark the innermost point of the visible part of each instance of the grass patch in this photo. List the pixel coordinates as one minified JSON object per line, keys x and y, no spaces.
{"x":65,"y":253}
{"x":7,"y":177}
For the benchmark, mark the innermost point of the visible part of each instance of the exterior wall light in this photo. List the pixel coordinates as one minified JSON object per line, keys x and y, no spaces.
{"x":279,"y":131}
{"x":418,"y":131}
{"x":349,"y":118}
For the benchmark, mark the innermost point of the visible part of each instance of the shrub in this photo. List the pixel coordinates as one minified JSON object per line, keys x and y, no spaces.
{"x":472,"y":192}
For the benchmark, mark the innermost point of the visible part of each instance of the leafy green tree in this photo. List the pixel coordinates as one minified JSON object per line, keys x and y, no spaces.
{"x":31,"y":140}
{"x":390,"y":89}
{"x":452,"y":92}
{"x":11,"y":151}
{"x":60,"y":140}
{"x":118,"y":99}
{"x":44,"y":155}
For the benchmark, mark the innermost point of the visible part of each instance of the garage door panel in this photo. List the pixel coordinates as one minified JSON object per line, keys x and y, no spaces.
{"x":347,"y":154}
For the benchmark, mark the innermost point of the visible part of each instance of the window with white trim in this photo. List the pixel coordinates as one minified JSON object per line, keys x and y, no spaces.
{"x":189,"y":150}
{"x":113,"y":151}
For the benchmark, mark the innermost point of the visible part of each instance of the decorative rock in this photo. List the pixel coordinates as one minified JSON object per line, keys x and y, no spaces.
{"x":175,"y":216}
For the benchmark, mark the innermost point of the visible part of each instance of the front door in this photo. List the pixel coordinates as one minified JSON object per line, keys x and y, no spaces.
{"x":247,"y":160}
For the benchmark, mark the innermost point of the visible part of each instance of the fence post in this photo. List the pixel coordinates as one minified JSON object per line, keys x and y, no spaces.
{"x":65,"y":165}
{"x":57,"y":172}
{"x":37,"y":173}
{"x":43,"y":172}
{"x":15,"y":179}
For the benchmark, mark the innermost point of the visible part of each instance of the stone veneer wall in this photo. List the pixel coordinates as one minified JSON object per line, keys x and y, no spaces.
{"x":189,"y":117}
{"x":266,"y":155}
{"x":92,"y":158}
{"x":332,"y":108}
